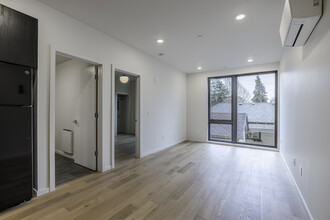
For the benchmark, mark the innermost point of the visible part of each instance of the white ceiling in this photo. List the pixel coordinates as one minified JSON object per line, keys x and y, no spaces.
{"x":226,"y":42}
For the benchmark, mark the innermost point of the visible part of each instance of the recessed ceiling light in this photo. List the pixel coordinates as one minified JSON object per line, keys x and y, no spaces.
{"x":250,"y":60}
{"x":160,"y":41}
{"x":240,"y":16}
{"x":199,"y":68}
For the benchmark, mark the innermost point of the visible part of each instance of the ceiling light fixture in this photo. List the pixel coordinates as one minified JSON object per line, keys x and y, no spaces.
{"x":240,"y":16}
{"x":200,"y":36}
{"x":160,"y":41}
{"x":250,"y":60}
{"x":199,"y":68}
{"x":123,"y":79}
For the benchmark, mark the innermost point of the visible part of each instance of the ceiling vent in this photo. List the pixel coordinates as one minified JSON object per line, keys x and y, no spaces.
{"x":299,"y":20}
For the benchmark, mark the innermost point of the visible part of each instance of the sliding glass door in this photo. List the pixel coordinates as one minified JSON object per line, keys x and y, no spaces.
{"x":256,"y":109}
{"x":243,"y":109}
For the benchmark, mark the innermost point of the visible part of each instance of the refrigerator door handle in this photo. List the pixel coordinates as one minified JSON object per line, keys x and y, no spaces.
{"x":27,"y":106}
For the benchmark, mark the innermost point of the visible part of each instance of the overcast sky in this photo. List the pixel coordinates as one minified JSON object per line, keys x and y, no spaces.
{"x":248,"y":82}
{"x":267,"y":79}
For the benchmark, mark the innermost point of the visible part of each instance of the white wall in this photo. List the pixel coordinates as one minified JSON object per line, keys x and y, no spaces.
{"x":197,"y":97}
{"x":163,"y":104}
{"x":305,"y":116}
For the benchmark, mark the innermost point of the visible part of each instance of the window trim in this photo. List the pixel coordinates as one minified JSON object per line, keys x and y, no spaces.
{"x":233,"y":120}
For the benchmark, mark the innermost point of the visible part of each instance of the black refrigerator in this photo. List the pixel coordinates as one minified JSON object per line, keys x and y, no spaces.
{"x":16,"y":109}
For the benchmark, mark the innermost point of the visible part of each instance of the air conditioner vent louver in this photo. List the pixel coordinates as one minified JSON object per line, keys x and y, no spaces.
{"x":299,"y":20}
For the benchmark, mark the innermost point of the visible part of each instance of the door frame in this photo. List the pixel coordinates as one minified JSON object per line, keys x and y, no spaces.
{"x":52,"y":105}
{"x":137,"y":113}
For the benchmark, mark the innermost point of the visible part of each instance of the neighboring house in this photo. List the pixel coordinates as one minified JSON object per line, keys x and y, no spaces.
{"x":224,"y":130}
{"x":251,"y":116}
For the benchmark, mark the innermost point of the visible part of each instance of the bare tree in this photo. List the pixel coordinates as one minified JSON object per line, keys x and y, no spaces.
{"x":243,"y":95}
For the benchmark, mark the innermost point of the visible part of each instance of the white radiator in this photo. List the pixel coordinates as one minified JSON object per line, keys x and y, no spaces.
{"x":67,"y":141}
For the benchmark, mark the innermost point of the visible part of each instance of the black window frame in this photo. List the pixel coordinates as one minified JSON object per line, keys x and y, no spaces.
{"x":233,"y":121}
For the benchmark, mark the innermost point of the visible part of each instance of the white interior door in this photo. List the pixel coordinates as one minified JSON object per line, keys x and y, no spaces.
{"x":85,"y":126}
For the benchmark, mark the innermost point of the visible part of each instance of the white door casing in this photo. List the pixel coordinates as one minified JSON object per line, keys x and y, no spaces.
{"x":102,"y":166}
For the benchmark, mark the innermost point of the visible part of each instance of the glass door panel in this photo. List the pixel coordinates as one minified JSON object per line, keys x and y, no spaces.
{"x":256,"y":109}
{"x":221,"y":132}
{"x":220,"y":109}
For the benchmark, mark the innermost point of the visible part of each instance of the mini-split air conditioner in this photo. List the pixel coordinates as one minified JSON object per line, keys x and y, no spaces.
{"x":298,"y":21}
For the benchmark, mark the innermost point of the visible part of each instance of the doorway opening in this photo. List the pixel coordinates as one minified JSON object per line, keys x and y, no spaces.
{"x":126,"y":104}
{"x":76,"y":118}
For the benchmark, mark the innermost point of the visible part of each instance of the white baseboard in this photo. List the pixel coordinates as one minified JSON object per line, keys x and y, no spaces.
{"x":297,"y":187}
{"x":255,"y":147}
{"x":153,"y":151}
{"x":196,"y":140}
{"x":158,"y":149}
{"x":40,"y":192}
{"x":64,"y":154}
{"x":107,"y":168}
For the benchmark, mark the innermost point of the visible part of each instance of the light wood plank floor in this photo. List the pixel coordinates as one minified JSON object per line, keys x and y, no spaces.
{"x":124,"y":148}
{"x":187,"y":181}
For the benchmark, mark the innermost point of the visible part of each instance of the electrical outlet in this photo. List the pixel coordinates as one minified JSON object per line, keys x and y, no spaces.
{"x":294,"y":161}
{"x":301,"y":171}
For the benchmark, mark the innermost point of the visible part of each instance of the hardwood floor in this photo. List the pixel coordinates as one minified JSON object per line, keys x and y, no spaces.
{"x":124,"y":148}
{"x":187,"y":181}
